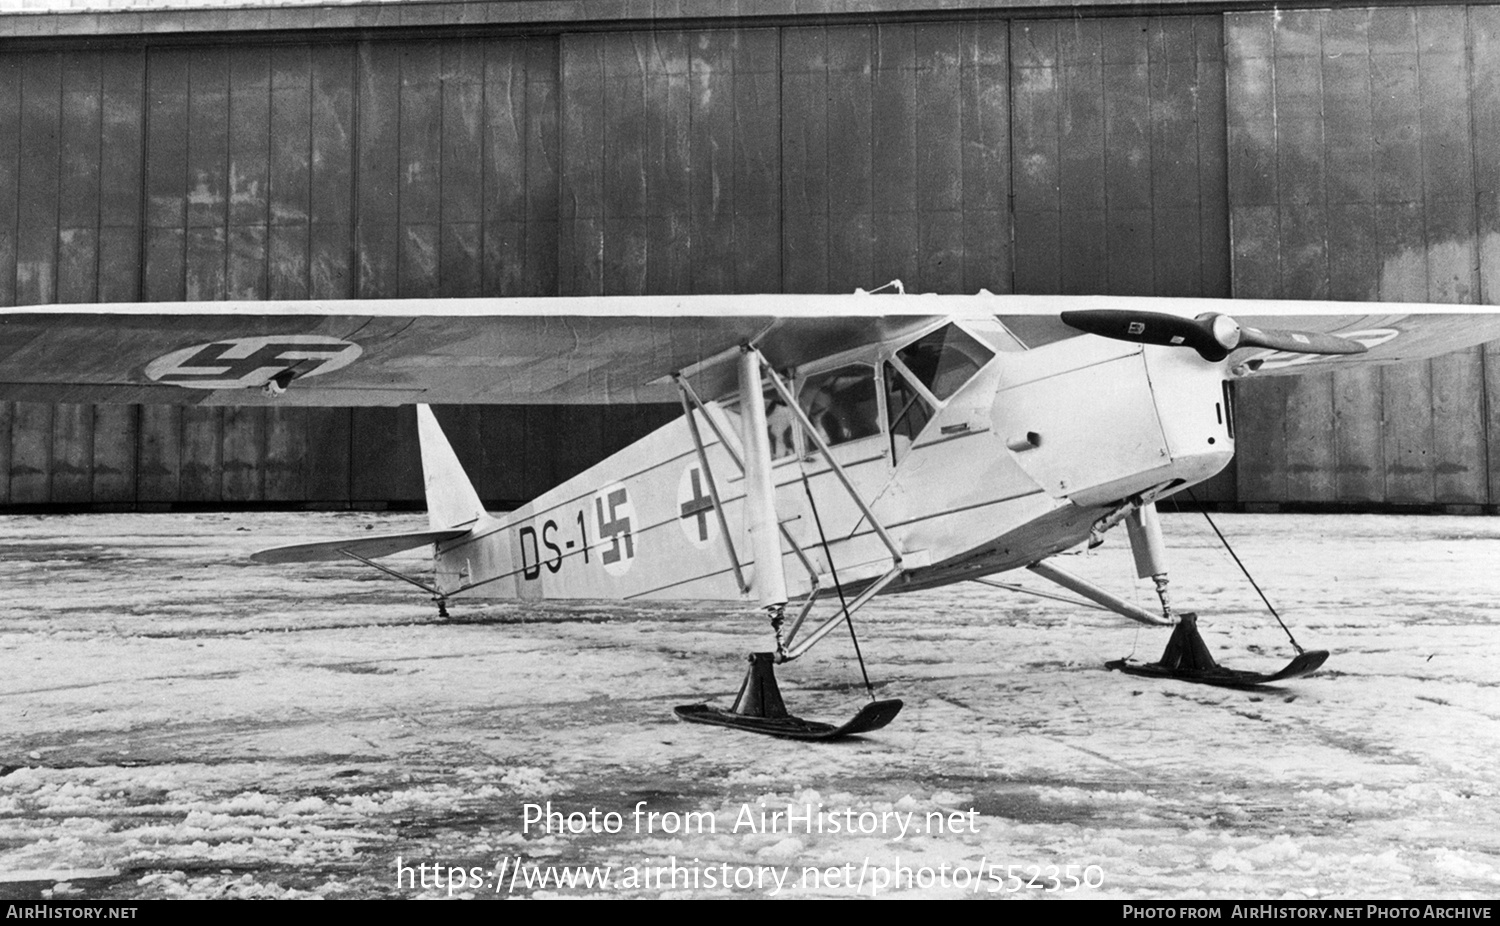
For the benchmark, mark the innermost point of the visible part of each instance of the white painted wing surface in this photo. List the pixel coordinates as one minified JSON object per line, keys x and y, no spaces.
{"x":601,"y":350}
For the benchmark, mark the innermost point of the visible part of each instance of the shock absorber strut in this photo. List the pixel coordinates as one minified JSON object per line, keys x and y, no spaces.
{"x":1150,"y":551}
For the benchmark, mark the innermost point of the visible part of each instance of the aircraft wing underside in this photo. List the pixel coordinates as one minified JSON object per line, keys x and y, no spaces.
{"x":573,"y":350}
{"x":400,"y":352}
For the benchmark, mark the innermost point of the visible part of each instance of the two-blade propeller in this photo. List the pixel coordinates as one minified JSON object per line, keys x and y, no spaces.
{"x":1212,"y":335}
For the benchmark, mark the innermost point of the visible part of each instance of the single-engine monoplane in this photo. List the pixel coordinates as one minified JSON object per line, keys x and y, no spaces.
{"x":831,"y":448}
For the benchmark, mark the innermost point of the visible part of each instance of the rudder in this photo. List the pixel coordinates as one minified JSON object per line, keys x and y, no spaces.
{"x":452,"y":500}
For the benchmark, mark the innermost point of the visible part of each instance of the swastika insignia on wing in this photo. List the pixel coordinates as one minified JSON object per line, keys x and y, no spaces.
{"x":250,"y":362}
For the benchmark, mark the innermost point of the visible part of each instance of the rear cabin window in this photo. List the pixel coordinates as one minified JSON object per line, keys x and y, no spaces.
{"x":781,"y":424}
{"x":842,"y":404}
{"x":945,"y":359}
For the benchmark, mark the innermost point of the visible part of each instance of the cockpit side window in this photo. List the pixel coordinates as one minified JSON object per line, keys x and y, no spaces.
{"x":945,"y":359}
{"x":906,"y":411}
{"x":842,"y":404}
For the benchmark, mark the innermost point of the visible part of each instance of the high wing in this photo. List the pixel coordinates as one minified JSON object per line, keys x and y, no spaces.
{"x":398,"y":352}
{"x":576,"y":350}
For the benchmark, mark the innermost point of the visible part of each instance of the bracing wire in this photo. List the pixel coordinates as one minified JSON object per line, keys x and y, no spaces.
{"x":1253,"y":584}
{"x":837,"y":585}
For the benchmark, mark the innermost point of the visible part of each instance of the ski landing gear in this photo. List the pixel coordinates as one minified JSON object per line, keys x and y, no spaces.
{"x":1187,"y":659}
{"x":759,"y":709}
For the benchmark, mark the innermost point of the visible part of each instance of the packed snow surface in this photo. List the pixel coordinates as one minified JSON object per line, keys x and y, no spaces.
{"x":180,"y":722}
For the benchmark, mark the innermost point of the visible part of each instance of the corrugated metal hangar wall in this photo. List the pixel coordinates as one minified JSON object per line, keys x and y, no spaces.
{"x":1348,"y":154}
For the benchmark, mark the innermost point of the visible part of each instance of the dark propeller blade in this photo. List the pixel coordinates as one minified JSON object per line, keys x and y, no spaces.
{"x":1299,"y":342}
{"x":1212,"y":335}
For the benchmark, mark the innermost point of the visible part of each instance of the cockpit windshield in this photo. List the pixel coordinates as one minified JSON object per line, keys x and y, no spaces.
{"x":945,"y":359}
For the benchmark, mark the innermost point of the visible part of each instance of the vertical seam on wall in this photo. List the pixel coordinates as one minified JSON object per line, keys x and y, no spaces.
{"x":226,"y":415}
{"x":484,"y":151}
{"x":307,"y":245}
{"x":1430,"y":479}
{"x":264,"y":459}
{"x":265,"y":244}
{"x":140,"y":249}
{"x":1150,"y":140}
{"x":1284,"y":388}
{"x":560,"y":124}
{"x":99,"y":193}
{"x":1323,"y":151}
{"x":400,"y":224}
{"x":356,"y":135}
{"x":226,"y":221}
{"x":919,"y":248}
{"x":187,"y":166}
{"x":15,"y":216}
{"x":1416,"y":30}
{"x":964,"y":64}
{"x":1374,"y":185}
{"x":143,"y":191}
{"x":1010,"y":143}
{"x":1477,"y":294}
{"x":1197,"y":22}
{"x":1329,"y":387}
{"x":1222,"y":19}
{"x":1104,"y":133}
{"x":136,"y":413}
{"x":57,"y":176}
{"x":827,"y":199}
{"x":1478,"y":291}
{"x":780,"y":160}
{"x":1276,"y":162}
{"x":352,"y":287}
{"x":57,"y":202}
{"x":401,"y":165}
{"x":659,"y":58}
{"x":781,"y":243}
{"x":1379,"y":372}
{"x":442,"y":115}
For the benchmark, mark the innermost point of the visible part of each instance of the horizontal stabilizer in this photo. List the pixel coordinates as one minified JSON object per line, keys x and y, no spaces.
{"x":367,"y":547}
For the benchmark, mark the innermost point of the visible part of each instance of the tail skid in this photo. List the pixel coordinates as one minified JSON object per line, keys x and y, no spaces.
{"x":453,"y":508}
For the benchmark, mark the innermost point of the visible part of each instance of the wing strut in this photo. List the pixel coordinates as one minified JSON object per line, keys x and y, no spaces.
{"x":759,"y":707}
{"x":811,"y":431}
{"x":879,"y":585}
{"x":685,"y":392}
{"x":760,"y":493}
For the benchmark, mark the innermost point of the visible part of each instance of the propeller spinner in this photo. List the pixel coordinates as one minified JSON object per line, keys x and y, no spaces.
{"x":1212,"y":335}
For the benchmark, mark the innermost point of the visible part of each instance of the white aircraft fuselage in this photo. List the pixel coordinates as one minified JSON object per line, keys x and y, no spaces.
{"x":1032,"y":451}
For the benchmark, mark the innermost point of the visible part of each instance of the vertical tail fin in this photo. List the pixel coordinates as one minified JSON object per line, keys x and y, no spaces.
{"x":451,"y":498}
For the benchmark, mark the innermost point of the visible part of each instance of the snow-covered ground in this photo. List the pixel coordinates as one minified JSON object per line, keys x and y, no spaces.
{"x":179,"y":722}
